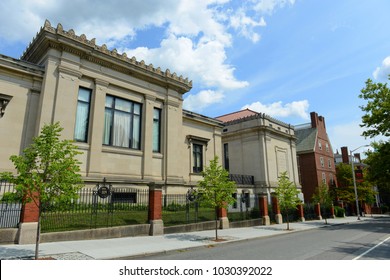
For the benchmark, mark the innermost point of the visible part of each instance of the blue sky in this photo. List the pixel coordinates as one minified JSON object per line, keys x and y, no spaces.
{"x":285,"y":58}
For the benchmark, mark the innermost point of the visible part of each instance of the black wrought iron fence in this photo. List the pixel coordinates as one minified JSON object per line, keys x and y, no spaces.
{"x":245,"y":208}
{"x":181,"y":209}
{"x":95,"y":209}
{"x":309,"y":211}
{"x":10,"y":206}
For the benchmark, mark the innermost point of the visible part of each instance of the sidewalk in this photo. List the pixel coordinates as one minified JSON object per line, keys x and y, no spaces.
{"x":104,"y":249}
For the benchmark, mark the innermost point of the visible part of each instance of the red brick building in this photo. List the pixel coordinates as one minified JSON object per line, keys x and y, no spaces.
{"x":315,"y":156}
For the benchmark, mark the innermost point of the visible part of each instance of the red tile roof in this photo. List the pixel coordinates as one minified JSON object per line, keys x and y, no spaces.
{"x":237,"y":115}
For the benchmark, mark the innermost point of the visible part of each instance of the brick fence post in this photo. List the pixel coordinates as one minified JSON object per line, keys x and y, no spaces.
{"x":263,"y":207}
{"x":317,"y":209}
{"x":332,"y":215}
{"x":301,"y":212}
{"x":155,"y":209}
{"x":28,"y":225}
{"x":276,"y":209}
{"x":223,"y":218}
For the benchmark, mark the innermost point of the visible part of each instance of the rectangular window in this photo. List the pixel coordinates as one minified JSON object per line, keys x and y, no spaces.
{"x":331,"y":179}
{"x":82,"y":115}
{"x":197,"y":151}
{"x":156,"y":130}
{"x":329,"y":163}
{"x":323,"y":177}
{"x":226,"y":155}
{"x":322,"y":161}
{"x":319,"y":144}
{"x":122,"y":123}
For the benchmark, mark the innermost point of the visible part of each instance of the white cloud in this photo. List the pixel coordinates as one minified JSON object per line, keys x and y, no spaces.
{"x":245,"y":25}
{"x":193,"y":36}
{"x":204,"y":63}
{"x":382,"y":72}
{"x":348,"y":135}
{"x":277,"y":109}
{"x":268,"y":6}
{"x":197,"y":102}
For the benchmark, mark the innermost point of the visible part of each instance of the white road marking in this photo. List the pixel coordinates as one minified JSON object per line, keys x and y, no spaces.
{"x":369,"y":250}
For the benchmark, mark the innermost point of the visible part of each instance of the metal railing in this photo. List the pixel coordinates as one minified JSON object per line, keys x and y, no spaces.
{"x":10,"y":206}
{"x":242,"y":179}
{"x":123,"y":206}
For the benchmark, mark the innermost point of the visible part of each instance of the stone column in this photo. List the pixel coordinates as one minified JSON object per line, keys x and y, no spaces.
{"x":301,"y":213}
{"x":263,"y":206}
{"x":276,"y":209}
{"x":155,"y":209}
{"x":97,"y":128}
{"x":223,"y":219}
{"x":147,"y":160}
{"x":27,"y":233}
{"x":317,"y":209}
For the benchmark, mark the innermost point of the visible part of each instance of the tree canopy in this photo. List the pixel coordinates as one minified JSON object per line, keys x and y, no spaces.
{"x":47,"y":171}
{"x":376,"y":118}
{"x":216,"y":189}
{"x":287,"y":195}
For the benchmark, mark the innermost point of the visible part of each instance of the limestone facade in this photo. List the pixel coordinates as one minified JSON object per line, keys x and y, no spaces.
{"x":125,"y":116}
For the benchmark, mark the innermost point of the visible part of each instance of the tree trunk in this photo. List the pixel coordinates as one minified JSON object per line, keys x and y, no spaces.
{"x":216,"y":217}
{"x":38,"y":238}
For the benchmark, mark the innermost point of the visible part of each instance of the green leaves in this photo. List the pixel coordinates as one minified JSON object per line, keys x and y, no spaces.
{"x":376,"y":119}
{"x":216,"y":188}
{"x":47,"y":171}
{"x":286,"y":193}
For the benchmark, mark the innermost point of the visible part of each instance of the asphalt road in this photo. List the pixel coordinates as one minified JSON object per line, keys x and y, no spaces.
{"x":366,"y":240}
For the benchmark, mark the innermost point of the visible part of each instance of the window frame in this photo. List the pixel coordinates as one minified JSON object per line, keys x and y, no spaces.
{"x":87,"y":121}
{"x":157,"y":149}
{"x":132,"y":144}
{"x":197,"y":168}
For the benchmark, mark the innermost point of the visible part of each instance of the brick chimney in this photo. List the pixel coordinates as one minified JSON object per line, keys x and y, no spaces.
{"x":344,"y":155}
{"x":316,"y":120}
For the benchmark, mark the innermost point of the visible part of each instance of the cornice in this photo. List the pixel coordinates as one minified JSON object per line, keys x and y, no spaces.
{"x":62,"y":40}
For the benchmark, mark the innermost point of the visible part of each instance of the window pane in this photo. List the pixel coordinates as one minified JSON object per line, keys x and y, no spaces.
{"x":81,"y":128}
{"x":82,"y":115}
{"x":109,"y":101}
{"x":198,"y":158}
{"x":107,"y":126}
{"x":121,"y":134}
{"x":122,"y":105}
{"x":156,"y":130}
{"x":84,"y":94}
{"x":137,"y":109}
{"x":136,"y":132}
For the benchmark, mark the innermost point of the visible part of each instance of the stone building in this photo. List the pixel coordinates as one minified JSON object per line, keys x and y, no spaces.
{"x":125,"y":116}
{"x":257,"y":145}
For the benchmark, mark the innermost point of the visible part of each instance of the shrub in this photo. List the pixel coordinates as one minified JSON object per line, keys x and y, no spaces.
{"x":384,"y":209}
{"x":339,"y":211}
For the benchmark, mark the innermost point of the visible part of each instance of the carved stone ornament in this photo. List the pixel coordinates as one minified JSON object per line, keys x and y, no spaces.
{"x":4,"y":100}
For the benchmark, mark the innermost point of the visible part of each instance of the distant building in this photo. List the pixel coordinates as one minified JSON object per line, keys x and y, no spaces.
{"x":257,"y":145}
{"x":315,"y":156}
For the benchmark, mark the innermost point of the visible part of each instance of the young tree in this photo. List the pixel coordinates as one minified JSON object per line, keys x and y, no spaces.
{"x":287,"y":195}
{"x":376,"y":118}
{"x":47,"y":172}
{"x":216,"y":189}
{"x":323,"y":197}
